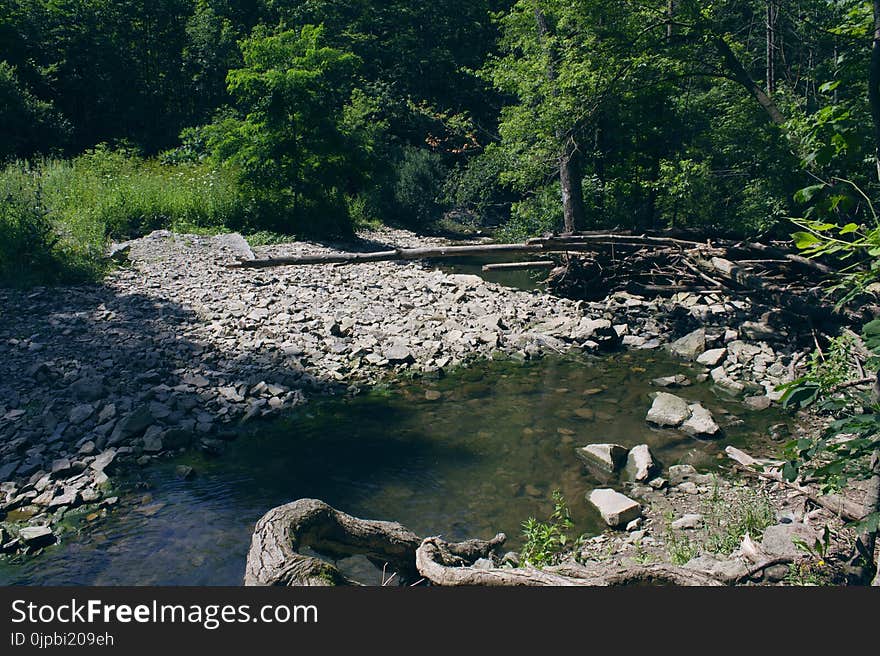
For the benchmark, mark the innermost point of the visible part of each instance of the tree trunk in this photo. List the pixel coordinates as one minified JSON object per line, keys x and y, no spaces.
{"x":571,"y":184}
{"x":872,"y":505}
{"x":874,"y":86}
{"x":741,"y":75}
{"x":771,"y":47}
{"x":570,"y":175}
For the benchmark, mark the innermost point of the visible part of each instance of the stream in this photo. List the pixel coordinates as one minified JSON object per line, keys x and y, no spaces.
{"x":467,"y":455}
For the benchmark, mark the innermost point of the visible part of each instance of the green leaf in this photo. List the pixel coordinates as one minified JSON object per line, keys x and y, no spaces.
{"x":806,"y":194}
{"x":848,"y":228}
{"x":804,"y":240}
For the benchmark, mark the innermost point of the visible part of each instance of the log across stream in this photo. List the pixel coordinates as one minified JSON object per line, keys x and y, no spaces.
{"x":465,"y":456}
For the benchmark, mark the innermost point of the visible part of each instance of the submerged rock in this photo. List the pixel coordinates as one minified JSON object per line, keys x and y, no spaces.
{"x":609,"y":457}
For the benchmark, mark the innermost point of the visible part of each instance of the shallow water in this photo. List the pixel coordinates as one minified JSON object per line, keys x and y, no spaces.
{"x":479,"y":459}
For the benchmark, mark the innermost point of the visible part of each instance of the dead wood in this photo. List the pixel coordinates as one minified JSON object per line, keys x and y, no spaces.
{"x":434,"y":566}
{"x":276,"y":554}
{"x":769,"y":470}
{"x":517,"y":266}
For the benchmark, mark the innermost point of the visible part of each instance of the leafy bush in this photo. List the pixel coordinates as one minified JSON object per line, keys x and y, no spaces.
{"x":420,"y":177}
{"x":545,"y":541}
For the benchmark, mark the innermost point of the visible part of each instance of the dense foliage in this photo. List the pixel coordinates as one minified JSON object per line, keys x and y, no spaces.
{"x":530,"y":114}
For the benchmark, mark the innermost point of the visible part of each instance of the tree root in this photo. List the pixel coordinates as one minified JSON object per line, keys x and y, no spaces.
{"x":276,"y":555}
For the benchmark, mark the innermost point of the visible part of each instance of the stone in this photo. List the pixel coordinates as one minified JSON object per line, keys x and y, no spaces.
{"x":634,"y":525}
{"x":668,"y":410}
{"x":726,"y":571}
{"x":688,"y":487}
{"x":184,"y":472}
{"x":712,"y":357}
{"x":88,"y":389}
{"x":397,"y":353}
{"x":688,"y":522}
{"x":757,"y":403}
{"x":60,"y":466}
{"x":678,"y":380}
{"x":689,"y":346}
{"x":37,"y":536}
{"x":132,"y":425}
{"x":778,"y":540}
{"x":87,"y":448}
{"x":700,"y":421}
{"x":639,"y":463}
{"x":153,"y":443}
{"x":69,"y":497}
{"x":658,"y":483}
{"x":616,"y":509}
{"x":433,"y":395}
{"x":80,"y":413}
{"x":609,"y":457}
{"x":103,"y":460}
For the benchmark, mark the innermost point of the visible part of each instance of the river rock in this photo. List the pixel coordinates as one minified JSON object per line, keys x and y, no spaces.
{"x":37,"y":536}
{"x":689,"y":346}
{"x":757,"y":403}
{"x":688,"y":522}
{"x":668,"y":410}
{"x":103,"y":460}
{"x":726,"y":571}
{"x":616,"y":509}
{"x":609,"y":457}
{"x":639,"y":463}
{"x":678,"y":380}
{"x":678,"y":474}
{"x":132,"y":425}
{"x":712,"y":357}
{"x":700,"y":421}
{"x":60,"y":467}
{"x":778,"y":540}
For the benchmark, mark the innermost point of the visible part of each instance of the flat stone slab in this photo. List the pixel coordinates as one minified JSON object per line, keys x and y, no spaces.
{"x":37,"y":536}
{"x":616,"y":509}
{"x":778,"y":540}
{"x":609,"y":457}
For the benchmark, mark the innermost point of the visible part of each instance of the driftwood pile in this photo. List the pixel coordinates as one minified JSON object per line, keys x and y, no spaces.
{"x":591,"y":265}
{"x":289,"y":539}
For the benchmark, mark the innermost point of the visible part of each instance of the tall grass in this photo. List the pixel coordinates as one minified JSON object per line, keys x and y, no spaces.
{"x":57,"y":215}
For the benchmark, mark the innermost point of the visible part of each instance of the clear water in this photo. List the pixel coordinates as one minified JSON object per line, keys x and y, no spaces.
{"x":480,"y":459}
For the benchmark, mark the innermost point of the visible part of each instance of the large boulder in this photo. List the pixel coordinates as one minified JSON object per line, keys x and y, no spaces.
{"x":616,"y":509}
{"x":668,"y":410}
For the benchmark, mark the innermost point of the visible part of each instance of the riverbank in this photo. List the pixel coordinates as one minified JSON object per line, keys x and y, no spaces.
{"x":175,"y":351}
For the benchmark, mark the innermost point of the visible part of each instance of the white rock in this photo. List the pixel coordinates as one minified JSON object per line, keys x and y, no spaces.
{"x":639,"y":463}
{"x":668,"y":410}
{"x":712,"y":357}
{"x":616,"y":509}
{"x":700,"y":422}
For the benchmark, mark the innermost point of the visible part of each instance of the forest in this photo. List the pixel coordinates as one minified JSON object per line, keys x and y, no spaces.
{"x":214,"y":210}
{"x":313,"y":118}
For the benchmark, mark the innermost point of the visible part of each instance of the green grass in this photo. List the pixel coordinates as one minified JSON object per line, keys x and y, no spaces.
{"x":56,"y":216}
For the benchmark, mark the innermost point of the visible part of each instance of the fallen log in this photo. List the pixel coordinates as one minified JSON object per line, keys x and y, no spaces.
{"x":400,"y":254}
{"x":517,"y":266}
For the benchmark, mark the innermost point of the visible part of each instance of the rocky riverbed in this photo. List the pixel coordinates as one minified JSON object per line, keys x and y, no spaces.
{"x":174,"y":351}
